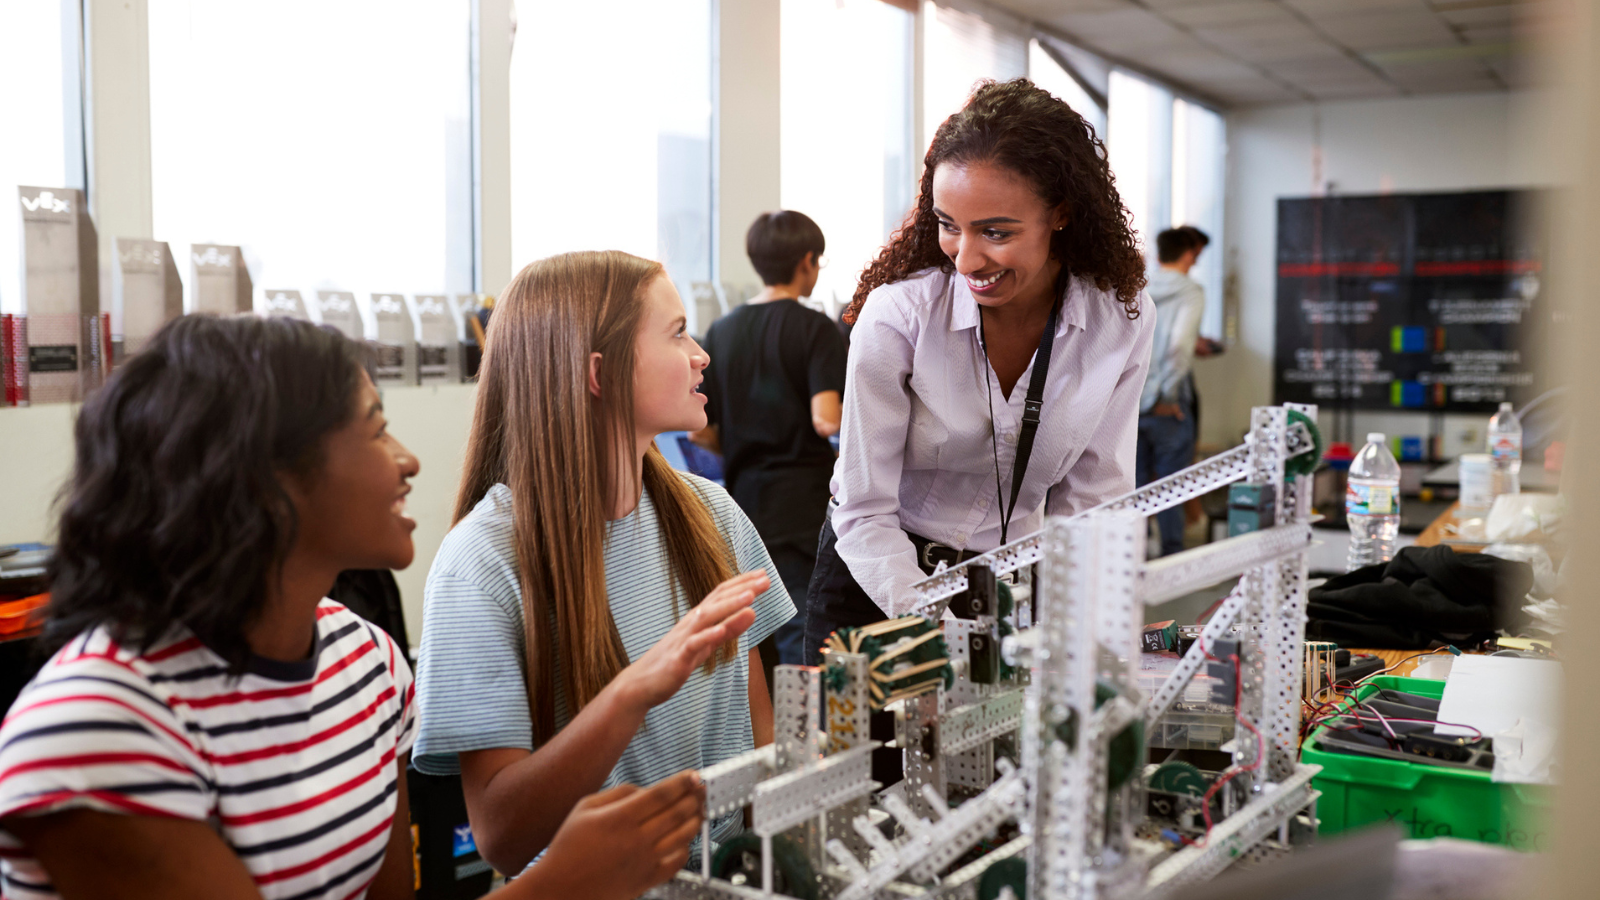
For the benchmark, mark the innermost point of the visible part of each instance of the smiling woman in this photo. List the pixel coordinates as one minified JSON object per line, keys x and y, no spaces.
{"x":1016,"y":270}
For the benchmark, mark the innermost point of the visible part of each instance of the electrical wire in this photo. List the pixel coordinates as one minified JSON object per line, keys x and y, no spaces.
{"x":1234,"y":771}
{"x":1448,"y":648}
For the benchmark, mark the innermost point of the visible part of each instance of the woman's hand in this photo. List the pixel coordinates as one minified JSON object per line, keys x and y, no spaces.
{"x":620,"y":843}
{"x":723,"y":615}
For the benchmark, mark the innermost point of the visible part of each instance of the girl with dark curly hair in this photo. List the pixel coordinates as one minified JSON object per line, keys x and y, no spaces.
{"x":1001,"y":342}
{"x":210,"y":725}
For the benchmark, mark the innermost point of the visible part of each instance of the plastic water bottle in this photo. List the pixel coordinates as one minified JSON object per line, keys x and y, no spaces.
{"x":1505,"y":450}
{"x":1372,"y":504}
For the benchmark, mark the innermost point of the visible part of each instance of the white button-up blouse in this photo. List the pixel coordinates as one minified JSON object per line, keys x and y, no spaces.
{"x":915,"y":452}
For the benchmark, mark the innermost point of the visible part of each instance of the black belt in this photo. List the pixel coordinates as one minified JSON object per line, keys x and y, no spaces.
{"x":930,"y":553}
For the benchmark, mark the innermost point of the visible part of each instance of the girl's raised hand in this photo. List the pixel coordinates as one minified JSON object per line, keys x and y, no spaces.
{"x":724,"y":614}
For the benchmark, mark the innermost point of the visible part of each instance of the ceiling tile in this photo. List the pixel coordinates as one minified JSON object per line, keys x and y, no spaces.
{"x":1476,"y":13}
{"x":1165,"y":6}
{"x":1490,"y":34}
{"x":1228,"y":12}
{"x":1391,"y":43}
{"x":1481,"y":84}
{"x":1305,"y":71}
{"x":1142,"y":45}
{"x":1198,"y":66}
{"x":1257,"y":32}
{"x":1361,"y":91}
{"x":1115,"y":23}
{"x":1322,"y":8}
{"x":1048,"y":10}
{"x":1262,"y":50}
{"x":1392,"y":28}
{"x":1260,"y":90}
{"x":1458,"y":65}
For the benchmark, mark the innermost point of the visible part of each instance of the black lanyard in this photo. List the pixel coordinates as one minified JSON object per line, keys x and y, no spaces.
{"x":1032,"y":406}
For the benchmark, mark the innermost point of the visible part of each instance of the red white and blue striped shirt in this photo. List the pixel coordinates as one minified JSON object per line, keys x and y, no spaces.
{"x":292,"y":763}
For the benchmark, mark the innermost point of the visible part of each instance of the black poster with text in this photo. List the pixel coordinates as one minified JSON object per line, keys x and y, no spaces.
{"x":1407,"y":301}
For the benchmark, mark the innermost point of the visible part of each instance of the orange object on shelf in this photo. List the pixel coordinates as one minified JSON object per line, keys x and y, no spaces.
{"x":22,"y":618}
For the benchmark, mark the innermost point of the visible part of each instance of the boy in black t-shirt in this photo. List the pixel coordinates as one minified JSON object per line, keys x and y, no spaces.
{"x":773,"y":390}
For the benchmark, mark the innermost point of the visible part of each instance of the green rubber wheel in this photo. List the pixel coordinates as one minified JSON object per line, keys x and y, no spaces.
{"x":1007,"y":873}
{"x":1124,"y":752}
{"x":739,"y":861}
{"x":1306,"y":462}
{"x":1179,"y":777}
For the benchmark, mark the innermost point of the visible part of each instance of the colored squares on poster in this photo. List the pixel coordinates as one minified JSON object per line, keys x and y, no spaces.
{"x":1407,"y":394}
{"x":1408,"y":339}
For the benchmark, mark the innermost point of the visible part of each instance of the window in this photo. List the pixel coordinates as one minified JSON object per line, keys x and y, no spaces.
{"x":329,"y":138}
{"x":1045,"y":72}
{"x":1140,"y":146}
{"x":611,"y":149}
{"x":1169,"y":158}
{"x":846,"y":130}
{"x":961,"y":48}
{"x":37,"y":118}
{"x":1199,"y":149}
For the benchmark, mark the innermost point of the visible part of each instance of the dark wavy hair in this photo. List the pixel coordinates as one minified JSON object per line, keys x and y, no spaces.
{"x":1025,"y":129}
{"x":175,"y":512}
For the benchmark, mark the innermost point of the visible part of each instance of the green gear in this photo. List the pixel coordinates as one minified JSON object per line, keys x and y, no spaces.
{"x":1003,"y":599}
{"x":1011,"y":872}
{"x":834,"y":677}
{"x":1124,"y":751}
{"x":1179,"y":777}
{"x":1306,"y":461}
{"x":1005,"y":603}
{"x":879,"y":663}
{"x":792,"y":874}
{"x":1007,"y":670}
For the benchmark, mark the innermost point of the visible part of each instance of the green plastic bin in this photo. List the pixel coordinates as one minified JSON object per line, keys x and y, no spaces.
{"x":1424,"y":800}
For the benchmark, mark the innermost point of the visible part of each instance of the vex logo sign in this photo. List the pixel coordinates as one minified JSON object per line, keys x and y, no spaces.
{"x":387,"y":303}
{"x":213,"y":257}
{"x":48,"y":202}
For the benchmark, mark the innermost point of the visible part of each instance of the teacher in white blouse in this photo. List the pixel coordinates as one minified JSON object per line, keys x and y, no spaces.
{"x":1000,"y":347}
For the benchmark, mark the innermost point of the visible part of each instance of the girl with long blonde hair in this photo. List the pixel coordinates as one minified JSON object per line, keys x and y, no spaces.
{"x":585,"y":621}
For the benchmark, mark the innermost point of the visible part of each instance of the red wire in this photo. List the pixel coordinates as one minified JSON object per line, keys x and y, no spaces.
{"x":1261,"y":747}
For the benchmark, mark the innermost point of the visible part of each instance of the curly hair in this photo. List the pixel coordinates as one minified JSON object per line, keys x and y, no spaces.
{"x":1025,"y":129}
{"x":175,"y":512}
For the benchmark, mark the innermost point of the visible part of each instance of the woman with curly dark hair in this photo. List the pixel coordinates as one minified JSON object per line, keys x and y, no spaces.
{"x":1001,"y":342}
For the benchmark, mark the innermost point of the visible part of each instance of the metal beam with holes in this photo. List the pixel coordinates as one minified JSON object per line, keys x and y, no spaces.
{"x":966,"y":727}
{"x":1171,"y":577}
{"x":1199,"y":479}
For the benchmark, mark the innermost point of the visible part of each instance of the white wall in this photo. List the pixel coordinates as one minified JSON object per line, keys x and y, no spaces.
{"x":432,"y":421}
{"x":746,"y":177}
{"x":1436,"y":143}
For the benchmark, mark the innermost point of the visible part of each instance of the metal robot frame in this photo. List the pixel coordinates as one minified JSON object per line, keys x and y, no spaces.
{"x":1090,"y":586}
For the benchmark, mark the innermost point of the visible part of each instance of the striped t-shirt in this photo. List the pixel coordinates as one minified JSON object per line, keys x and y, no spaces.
{"x":293,"y":762}
{"x":470,"y":689}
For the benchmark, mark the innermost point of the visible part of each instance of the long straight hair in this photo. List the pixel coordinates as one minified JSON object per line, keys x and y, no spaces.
{"x":539,"y":430}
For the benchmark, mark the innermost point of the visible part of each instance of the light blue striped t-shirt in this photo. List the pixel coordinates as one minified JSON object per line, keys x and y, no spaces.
{"x":470,"y":689}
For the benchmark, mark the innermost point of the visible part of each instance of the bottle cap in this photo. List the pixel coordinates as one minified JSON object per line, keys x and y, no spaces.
{"x":1505,"y":406}
{"x":1375,"y":437}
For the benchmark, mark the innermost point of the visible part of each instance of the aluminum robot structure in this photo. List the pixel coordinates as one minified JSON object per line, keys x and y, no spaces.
{"x":1015,"y":705}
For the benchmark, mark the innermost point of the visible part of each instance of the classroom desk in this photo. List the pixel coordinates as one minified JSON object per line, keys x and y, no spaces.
{"x":1390,"y":657}
{"x":1435,"y":533}
{"x":1532,"y":477}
